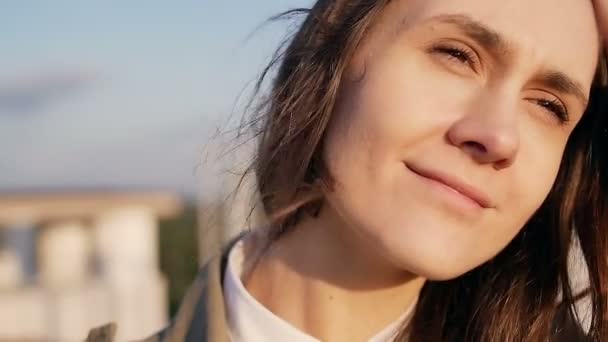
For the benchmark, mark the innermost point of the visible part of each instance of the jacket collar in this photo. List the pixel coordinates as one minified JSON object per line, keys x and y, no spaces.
{"x":202,"y":314}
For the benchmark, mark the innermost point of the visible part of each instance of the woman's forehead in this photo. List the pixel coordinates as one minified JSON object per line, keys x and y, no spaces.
{"x":559,"y":33}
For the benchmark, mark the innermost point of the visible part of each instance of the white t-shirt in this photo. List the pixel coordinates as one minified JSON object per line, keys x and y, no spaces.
{"x":249,"y":321}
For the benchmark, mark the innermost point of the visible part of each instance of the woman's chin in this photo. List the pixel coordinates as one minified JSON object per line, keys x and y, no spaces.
{"x":437,"y":259}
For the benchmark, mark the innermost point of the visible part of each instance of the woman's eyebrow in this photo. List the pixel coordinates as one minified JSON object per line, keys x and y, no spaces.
{"x":501,"y":48}
{"x":560,"y":82}
{"x":488,"y":38}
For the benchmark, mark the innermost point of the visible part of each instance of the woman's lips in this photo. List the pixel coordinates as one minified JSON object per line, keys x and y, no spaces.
{"x":454,"y":183}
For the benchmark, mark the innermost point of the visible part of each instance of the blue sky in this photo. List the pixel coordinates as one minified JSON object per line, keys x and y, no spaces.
{"x":124,"y":94}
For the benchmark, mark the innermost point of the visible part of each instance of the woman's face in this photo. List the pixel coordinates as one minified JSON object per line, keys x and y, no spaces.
{"x":451,"y":123}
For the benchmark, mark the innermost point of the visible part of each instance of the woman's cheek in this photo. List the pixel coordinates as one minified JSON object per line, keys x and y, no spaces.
{"x":530,"y":179}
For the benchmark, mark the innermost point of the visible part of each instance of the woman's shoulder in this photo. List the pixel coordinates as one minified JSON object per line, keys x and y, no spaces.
{"x":200,"y":316}
{"x":191,"y":321}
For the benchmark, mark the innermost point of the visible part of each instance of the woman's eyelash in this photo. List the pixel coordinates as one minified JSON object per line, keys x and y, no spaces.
{"x":462,"y":55}
{"x":556,"y":107}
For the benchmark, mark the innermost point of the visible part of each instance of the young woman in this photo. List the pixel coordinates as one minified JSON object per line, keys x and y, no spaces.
{"x":426,"y":166}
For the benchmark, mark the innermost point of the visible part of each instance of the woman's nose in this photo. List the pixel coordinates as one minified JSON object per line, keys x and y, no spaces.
{"x":488,"y":131}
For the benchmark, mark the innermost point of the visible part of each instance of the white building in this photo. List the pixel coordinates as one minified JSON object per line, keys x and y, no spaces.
{"x":72,"y":261}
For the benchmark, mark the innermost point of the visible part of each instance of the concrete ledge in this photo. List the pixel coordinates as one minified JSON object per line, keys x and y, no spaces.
{"x":35,"y":208}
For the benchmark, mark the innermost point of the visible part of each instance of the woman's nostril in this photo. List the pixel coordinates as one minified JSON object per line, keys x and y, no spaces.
{"x":474,"y":146}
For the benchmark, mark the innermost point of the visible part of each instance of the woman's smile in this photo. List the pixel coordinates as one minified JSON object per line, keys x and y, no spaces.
{"x":458,"y":193}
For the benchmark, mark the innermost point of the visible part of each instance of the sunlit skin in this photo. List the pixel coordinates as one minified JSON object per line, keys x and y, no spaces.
{"x":481,"y":95}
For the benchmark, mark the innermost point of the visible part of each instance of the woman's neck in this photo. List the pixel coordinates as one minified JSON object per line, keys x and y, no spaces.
{"x":329,"y":283}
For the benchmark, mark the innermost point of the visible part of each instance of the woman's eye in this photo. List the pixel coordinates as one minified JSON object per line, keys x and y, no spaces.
{"x":555,"y":107}
{"x":457,"y":54}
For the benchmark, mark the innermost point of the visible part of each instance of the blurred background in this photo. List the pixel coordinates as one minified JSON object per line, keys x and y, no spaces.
{"x":114,"y":181}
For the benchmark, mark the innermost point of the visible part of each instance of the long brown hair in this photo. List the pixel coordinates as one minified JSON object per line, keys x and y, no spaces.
{"x":514,"y":296}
